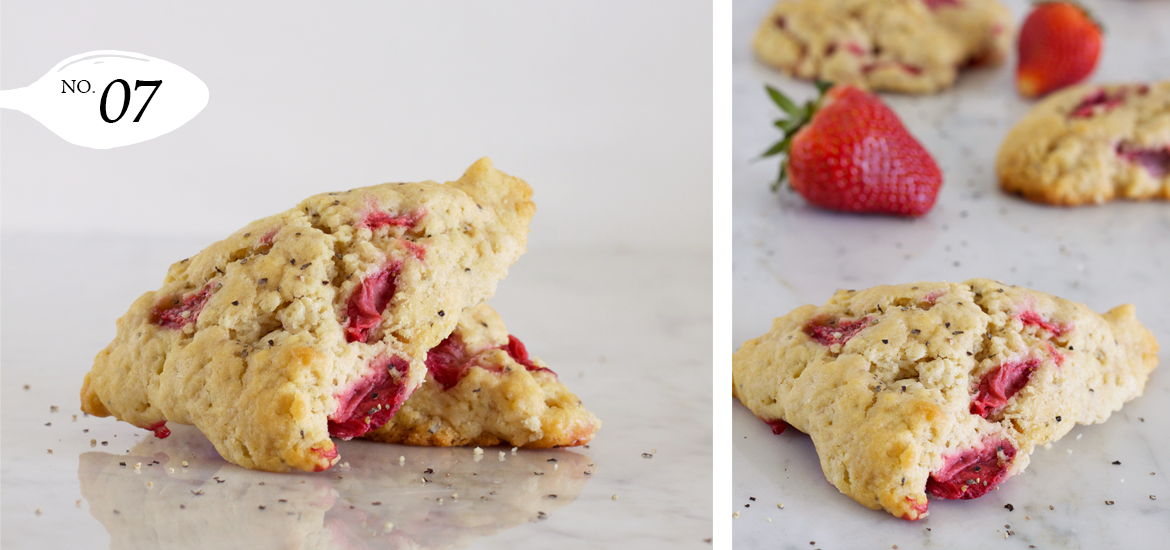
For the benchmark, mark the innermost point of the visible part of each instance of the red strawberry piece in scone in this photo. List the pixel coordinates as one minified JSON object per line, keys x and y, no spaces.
{"x":314,"y":323}
{"x":1091,"y":144}
{"x":940,"y":389}
{"x":848,"y":151}
{"x":482,"y":388}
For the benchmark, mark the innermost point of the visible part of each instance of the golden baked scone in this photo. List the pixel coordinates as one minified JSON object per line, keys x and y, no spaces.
{"x":939,"y":388}
{"x":1091,"y":144}
{"x":913,"y":46}
{"x":311,"y":323}
{"x":483,"y":389}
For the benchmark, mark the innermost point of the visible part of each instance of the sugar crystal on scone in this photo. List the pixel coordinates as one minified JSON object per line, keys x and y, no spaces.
{"x":311,"y":323}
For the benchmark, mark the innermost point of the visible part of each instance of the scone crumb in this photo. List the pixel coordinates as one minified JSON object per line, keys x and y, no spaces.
{"x":93,"y":443}
{"x":513,"y":451}
{"x":501,"y":456}
{"x":734,"y":514}
{"x":780,"y":505}
{"x":38,"y":509}
{"x":1152,"y":497}
{"x":79,"y":502}
{"x":387,"y":527}
{"x":615,"y":498}
{"x":402,"y":461}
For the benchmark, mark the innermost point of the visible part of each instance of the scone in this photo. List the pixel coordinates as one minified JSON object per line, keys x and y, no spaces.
{"x":939,"y":388}
{"x":1090,"y":144}
{"x":483,"y":389}
{"x":311,"y":323}
{"x":914,"y":46}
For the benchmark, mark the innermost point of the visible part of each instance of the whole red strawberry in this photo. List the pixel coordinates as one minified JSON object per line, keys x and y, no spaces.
{"x":848,"y":151}
{"x":1059,"y":46}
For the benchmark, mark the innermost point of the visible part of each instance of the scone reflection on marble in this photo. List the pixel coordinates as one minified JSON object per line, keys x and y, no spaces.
{"x":314,"y":323}
{"x":914,"y":46}
{"x":483,"y":389}
{"x":939,"y":388}
{"x":431,"y":498}
{"x":1091,"y":144}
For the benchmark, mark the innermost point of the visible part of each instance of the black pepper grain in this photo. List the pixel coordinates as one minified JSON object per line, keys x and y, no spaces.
{"x":1010,"y":508}
{"x":1117,"y":463}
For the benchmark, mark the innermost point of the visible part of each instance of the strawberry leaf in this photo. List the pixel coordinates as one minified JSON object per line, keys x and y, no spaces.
{"x":776,"y":149}
{"x":782,"y":101}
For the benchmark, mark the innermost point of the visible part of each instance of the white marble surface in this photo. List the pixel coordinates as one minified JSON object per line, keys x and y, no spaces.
{"x":627,"y":329}
{"x":787,"y":254}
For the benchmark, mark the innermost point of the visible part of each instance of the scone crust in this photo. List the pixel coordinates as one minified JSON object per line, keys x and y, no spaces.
{"x":1080,"y":146}
{"x":889,"y":401}
{"x":907,"y":46}
{"x":498,"y":399}
{"x":265,"y":350}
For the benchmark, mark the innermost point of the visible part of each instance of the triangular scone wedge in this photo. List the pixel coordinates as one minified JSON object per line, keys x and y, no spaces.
{"x":939,"y":388}
{"x":483,"y":389}
{"x":312,"y":323}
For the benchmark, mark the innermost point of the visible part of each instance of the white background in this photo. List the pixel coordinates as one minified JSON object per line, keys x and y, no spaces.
{"x":604,"y":108}
{"x":787,"y":254}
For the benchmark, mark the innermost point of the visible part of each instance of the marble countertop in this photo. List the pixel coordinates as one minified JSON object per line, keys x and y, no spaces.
{"x":628,"y":330}
{"x":787,"y":254}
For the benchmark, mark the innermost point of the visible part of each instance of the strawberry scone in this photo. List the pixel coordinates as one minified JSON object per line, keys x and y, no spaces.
{"x":483,"y":389}
{"x":939,"y":388}
{"x":312,"y":323}
{"x":913,"y":46}
{"x":1091,"y":144}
